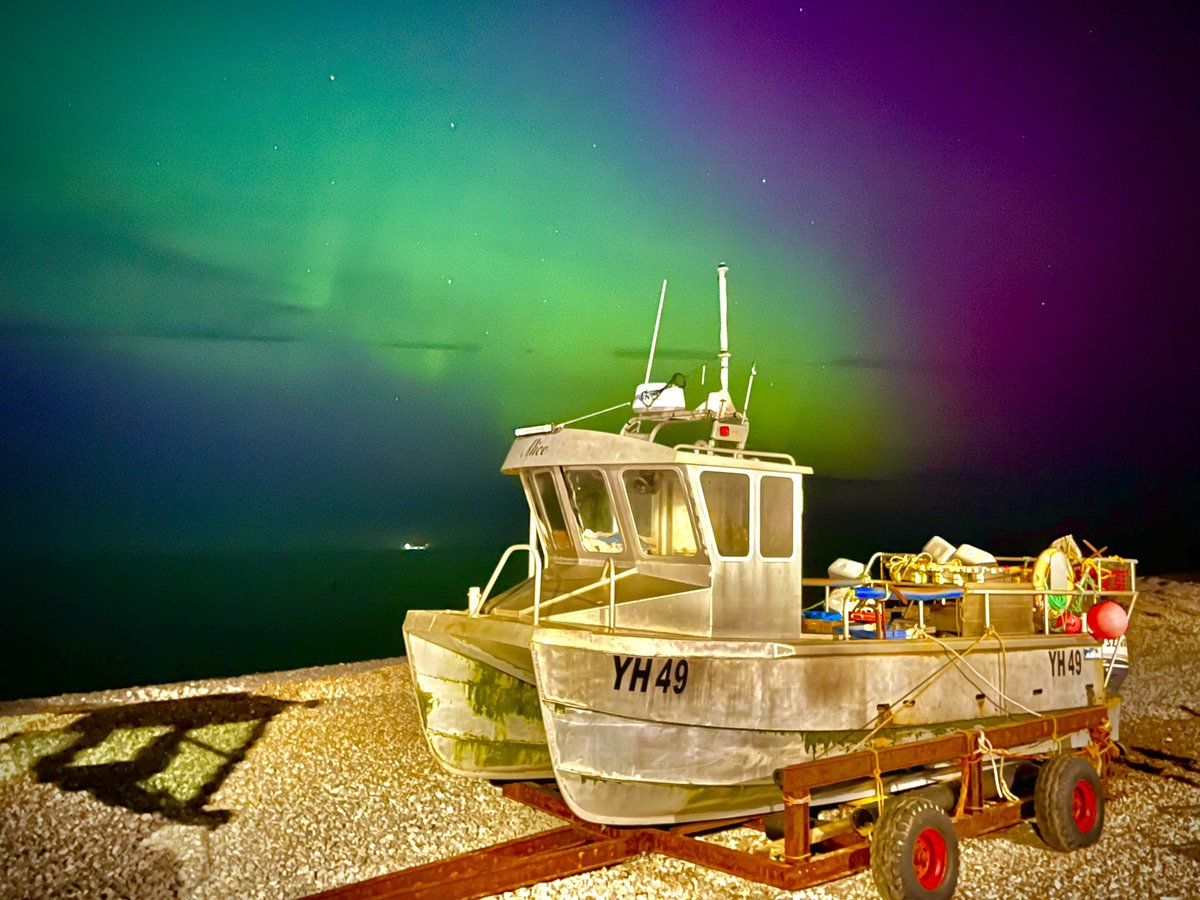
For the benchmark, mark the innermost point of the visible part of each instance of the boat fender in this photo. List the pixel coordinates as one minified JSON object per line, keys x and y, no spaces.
{"x":1107,"y":620}
{"x":843,"y":569}
{"x":838,"y":598}
{"x":970,"y":555}
{"x":939,"y":549}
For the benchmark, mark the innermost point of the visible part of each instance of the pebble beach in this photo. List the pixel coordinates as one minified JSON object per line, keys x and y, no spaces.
{"x":285,"y":784}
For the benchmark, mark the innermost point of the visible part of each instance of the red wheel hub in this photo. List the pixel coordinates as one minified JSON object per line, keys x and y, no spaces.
{"x":929,"y":858}
{"x":1083,"y":805}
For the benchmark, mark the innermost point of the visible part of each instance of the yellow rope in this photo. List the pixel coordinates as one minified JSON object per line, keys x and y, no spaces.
{"x":911,"y":694}
{"x":1102,"y":748}
{"x":961,"y":657}
{"x":968,"y":762}
{"x":789,"y":800}
{"x":877,"y":773}
{"x":986,"y":749}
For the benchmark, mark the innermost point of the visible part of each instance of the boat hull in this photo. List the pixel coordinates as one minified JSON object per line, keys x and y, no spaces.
{"x":647,"y":730}
{"x":476,"y":695}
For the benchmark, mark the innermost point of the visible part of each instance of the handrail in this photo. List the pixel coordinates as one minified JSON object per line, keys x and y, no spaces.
{"x":765,"y":455}
{"x":500,"y":566}
{"x":1112,"y":662}
{"x":535,"y":564}
{"x":612,"y":593}
{"x":1000,"y":561}
{"x":611,"y":579}
{"x":590,"y":587}
{"x":985,"y":592}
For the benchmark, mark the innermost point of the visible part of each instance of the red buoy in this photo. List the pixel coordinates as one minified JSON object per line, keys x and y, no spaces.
{"x":1070,"y":623}
{"x":1107,"y":620}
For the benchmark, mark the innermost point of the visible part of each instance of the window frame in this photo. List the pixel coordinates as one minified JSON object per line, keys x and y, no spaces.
{"x":543,"y":520}
{"x":756,"y":515}
{"x":689,"y":503}
{"x":751,"y":524}
{"x":616,"y":507}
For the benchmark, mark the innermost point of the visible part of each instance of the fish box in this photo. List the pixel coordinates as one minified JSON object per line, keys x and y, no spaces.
{"x":820,"y":626}
{"x":1010,"y":613}
{"x":821,"y":621}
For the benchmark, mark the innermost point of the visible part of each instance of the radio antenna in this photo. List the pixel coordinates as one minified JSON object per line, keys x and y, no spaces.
{"x":657,"y":321}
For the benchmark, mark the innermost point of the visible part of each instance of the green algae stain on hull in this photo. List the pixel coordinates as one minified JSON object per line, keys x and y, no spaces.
{"x":492,"y":759}
{"x":495,"y":695}
{"x":425,"y":703}
{"x":479,"y":721}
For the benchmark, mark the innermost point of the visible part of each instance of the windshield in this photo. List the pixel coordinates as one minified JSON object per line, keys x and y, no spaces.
{"x":550,"y":518}
{"x":593,"y":511}
{"x":660,"y":512}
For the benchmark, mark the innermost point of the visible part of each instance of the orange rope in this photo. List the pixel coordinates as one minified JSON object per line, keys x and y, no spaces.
{"x":1102,"y":749}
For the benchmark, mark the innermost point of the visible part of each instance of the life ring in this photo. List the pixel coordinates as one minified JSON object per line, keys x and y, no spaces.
{"x":1052,"y":572}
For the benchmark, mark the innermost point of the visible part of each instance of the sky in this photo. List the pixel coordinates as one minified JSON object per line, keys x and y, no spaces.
{"x":289,"y":276}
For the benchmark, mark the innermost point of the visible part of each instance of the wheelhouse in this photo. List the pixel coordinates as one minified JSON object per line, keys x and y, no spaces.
{"x":691,"y":539}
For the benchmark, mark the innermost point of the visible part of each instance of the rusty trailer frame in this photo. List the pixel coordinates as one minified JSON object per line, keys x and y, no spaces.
{"x":581,"y":846}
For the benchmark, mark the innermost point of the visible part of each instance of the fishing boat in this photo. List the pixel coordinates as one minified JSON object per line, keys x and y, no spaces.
{"x":665,"y":657}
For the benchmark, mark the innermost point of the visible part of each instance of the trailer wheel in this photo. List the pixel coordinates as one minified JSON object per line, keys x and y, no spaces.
{"x":914,"y":851}
{"x":1069,"y":803}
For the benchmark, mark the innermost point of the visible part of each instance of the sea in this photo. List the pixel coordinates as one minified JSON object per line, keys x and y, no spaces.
{"x":76,"y":623}
{"x":83,"y":623}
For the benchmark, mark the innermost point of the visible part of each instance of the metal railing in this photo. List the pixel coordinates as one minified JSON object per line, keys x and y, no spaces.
{"x":475,"y":603}
{"x":611,"y":578}
{"x":764,"y":455}
{"x":477,"y":599}
{"x":893,"y":590}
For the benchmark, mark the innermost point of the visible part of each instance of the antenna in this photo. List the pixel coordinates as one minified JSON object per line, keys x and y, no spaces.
{"x":657,"y":321}
{"x":658,"y":397}
{"x":749,"y":388}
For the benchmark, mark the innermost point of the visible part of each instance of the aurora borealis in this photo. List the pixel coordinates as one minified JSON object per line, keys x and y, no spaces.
{"x":288,"y":276}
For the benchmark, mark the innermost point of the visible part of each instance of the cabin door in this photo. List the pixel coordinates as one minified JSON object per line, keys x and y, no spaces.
{"x":752,"y":526}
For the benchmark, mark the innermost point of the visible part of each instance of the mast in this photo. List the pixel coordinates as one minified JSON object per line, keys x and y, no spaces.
{"x":724,"y":355}
{"x":719,"y":404}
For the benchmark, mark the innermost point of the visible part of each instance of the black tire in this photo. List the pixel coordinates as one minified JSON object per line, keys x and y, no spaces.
{"x":914,"y":851}
{"x":1069,"y":803}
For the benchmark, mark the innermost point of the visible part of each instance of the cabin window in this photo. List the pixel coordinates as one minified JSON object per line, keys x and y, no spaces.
{"x":727,"y":498}
{"x":660,"y":512}
{"x":552,"y":514}
{"x":776,"y":538}
{"x":594,"y":511}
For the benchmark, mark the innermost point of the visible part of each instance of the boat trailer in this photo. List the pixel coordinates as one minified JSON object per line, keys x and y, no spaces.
{"x":925,"y":863}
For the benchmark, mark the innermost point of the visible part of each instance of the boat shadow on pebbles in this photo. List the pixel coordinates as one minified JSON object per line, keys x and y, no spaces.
{"x":164,"y":756}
